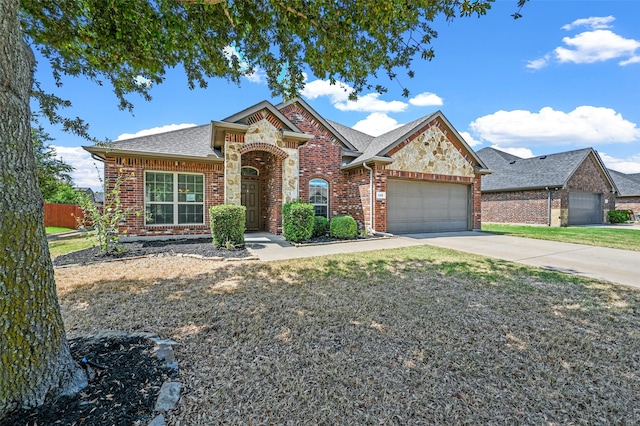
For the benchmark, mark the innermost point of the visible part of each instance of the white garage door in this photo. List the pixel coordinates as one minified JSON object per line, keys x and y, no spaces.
{"x":414,"y":206}
{"x":584,"y":208}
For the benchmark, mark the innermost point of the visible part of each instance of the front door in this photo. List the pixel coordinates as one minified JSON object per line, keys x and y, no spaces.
{"x":250,"y":198}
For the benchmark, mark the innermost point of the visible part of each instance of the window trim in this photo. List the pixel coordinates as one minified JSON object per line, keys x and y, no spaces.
{"x":249,"y":176}
{"x":175,"y":203}
{"x":328,"y":192}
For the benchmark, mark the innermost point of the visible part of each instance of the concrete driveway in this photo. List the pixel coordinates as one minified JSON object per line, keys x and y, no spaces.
{"x":617,"y":266}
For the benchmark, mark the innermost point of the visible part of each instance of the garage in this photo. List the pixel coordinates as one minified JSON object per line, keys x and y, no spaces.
{"x":584,"y":208}
{"x":415,"y":206}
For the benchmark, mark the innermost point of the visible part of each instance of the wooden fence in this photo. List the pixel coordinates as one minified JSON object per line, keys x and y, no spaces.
{"x":63,"y":215}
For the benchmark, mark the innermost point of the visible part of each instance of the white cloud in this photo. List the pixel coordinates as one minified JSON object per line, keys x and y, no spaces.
{"x":596,"y":46}
{"x":426,"y":99}
{"x":86,"y":168}
{"x":337,"y":92}
{"x":584,"y":126}
{"x":257,"y":76}
{"x":518,"y":152}
{"x":371,"y":103}
{"x":142,"y":81}
{"x":376,"y":124}
{"x":539,"y":63}
{"x":594,"y":23}
{"x":154,"y":130}
{"x":338,"y":95}
{"x":623,"y":165}
{"x":470,"y":140}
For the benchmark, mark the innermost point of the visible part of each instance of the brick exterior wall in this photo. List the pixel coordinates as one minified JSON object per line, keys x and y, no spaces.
{"x":532,"y":207}
{"x":132,"y":192}
{"x":522,"y":207}
{"x":629,"y":203}
{"x":320,"y":158}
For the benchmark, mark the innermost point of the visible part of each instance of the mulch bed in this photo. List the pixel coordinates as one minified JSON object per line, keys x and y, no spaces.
{"x":200,"y":247}
{"x":125,"y":379}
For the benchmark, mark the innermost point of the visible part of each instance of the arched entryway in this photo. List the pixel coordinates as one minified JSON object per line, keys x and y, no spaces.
{"x":261,"y":188}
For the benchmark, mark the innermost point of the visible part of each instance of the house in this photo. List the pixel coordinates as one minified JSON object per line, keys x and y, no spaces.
{"x":628,"y":197}
{"x":566,"y":188}
{"x":421,"y":177}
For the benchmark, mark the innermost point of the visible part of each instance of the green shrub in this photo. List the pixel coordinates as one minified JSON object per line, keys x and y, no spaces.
{"x":620,"y":216}
{"x":320,"y":226}
{"x":343,"y":227}
{"x":297,"y":221}
{"x":228,"y":225}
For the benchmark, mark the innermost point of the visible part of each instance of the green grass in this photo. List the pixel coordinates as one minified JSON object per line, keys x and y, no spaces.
{"x":56,"y":229}
{"x":625,"y":239}
{"x":67,"y":245}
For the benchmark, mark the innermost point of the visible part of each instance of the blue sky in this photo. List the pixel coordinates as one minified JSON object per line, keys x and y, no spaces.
{"x":565,"y":76}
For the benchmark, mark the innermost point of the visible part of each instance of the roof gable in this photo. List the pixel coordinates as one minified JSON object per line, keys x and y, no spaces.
{"x":259,"y":111}
{"x":379,"y":148}
{"x":325,"y":123}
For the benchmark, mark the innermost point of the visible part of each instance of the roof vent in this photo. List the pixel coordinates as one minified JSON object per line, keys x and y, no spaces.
{"x":512,"y":162}
{"x":543,"y":157}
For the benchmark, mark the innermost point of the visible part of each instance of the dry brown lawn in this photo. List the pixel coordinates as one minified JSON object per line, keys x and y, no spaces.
{"x":410,"y":336}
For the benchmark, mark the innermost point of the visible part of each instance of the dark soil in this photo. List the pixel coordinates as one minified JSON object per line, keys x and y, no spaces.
{"x":126,"y":380}
{"x":201,"y":246}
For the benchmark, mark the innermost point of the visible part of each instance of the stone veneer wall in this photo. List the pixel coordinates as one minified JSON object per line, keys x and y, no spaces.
{"x":431,"y":152}
{"x":132,"y":192}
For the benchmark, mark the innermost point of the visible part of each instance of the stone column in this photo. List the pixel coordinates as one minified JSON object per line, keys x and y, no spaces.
{"x":232,"y":173}
{"x":290,"y":176}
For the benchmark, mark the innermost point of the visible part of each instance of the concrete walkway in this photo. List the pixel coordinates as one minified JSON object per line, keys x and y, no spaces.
{"x":617,"y":266}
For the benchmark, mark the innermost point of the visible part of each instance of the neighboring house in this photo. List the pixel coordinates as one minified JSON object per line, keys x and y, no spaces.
{"x":567,"y":188}
{"x":628,"y":197}
{"x":421,"y":177}
{"x":88,"y":191}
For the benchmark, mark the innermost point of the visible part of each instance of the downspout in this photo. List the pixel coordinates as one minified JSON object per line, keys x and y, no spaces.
{"x":548,"y":206}
{"x":371,"y":197}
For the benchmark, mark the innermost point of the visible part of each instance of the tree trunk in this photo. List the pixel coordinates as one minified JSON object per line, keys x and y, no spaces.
{"x":35,"y":361}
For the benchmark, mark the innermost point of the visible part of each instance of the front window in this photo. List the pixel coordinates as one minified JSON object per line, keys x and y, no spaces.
{"x":319,"y":197}
{"x":174,"y":198}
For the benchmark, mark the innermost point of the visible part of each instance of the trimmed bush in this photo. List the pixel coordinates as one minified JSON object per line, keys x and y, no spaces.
{"x":297,"y":221}
{"x":619,"y":216}
{"x":228,"y":225}
{"x":343,"y":227}
{"x":320,"y":226}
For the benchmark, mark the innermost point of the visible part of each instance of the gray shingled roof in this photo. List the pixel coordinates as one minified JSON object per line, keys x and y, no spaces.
{"x":189,"y":142}
{"x":378,"y":146}
{"x":511,"y":173}
{"x":628,"y":184}
{"x":358,"y":139}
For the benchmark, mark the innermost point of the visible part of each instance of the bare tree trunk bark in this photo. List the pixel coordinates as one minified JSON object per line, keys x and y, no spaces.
{"x":35,"y":361}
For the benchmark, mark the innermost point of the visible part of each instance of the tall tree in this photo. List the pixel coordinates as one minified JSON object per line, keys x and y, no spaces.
{"x":52,"y":172}
{"x":119,"y":42}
